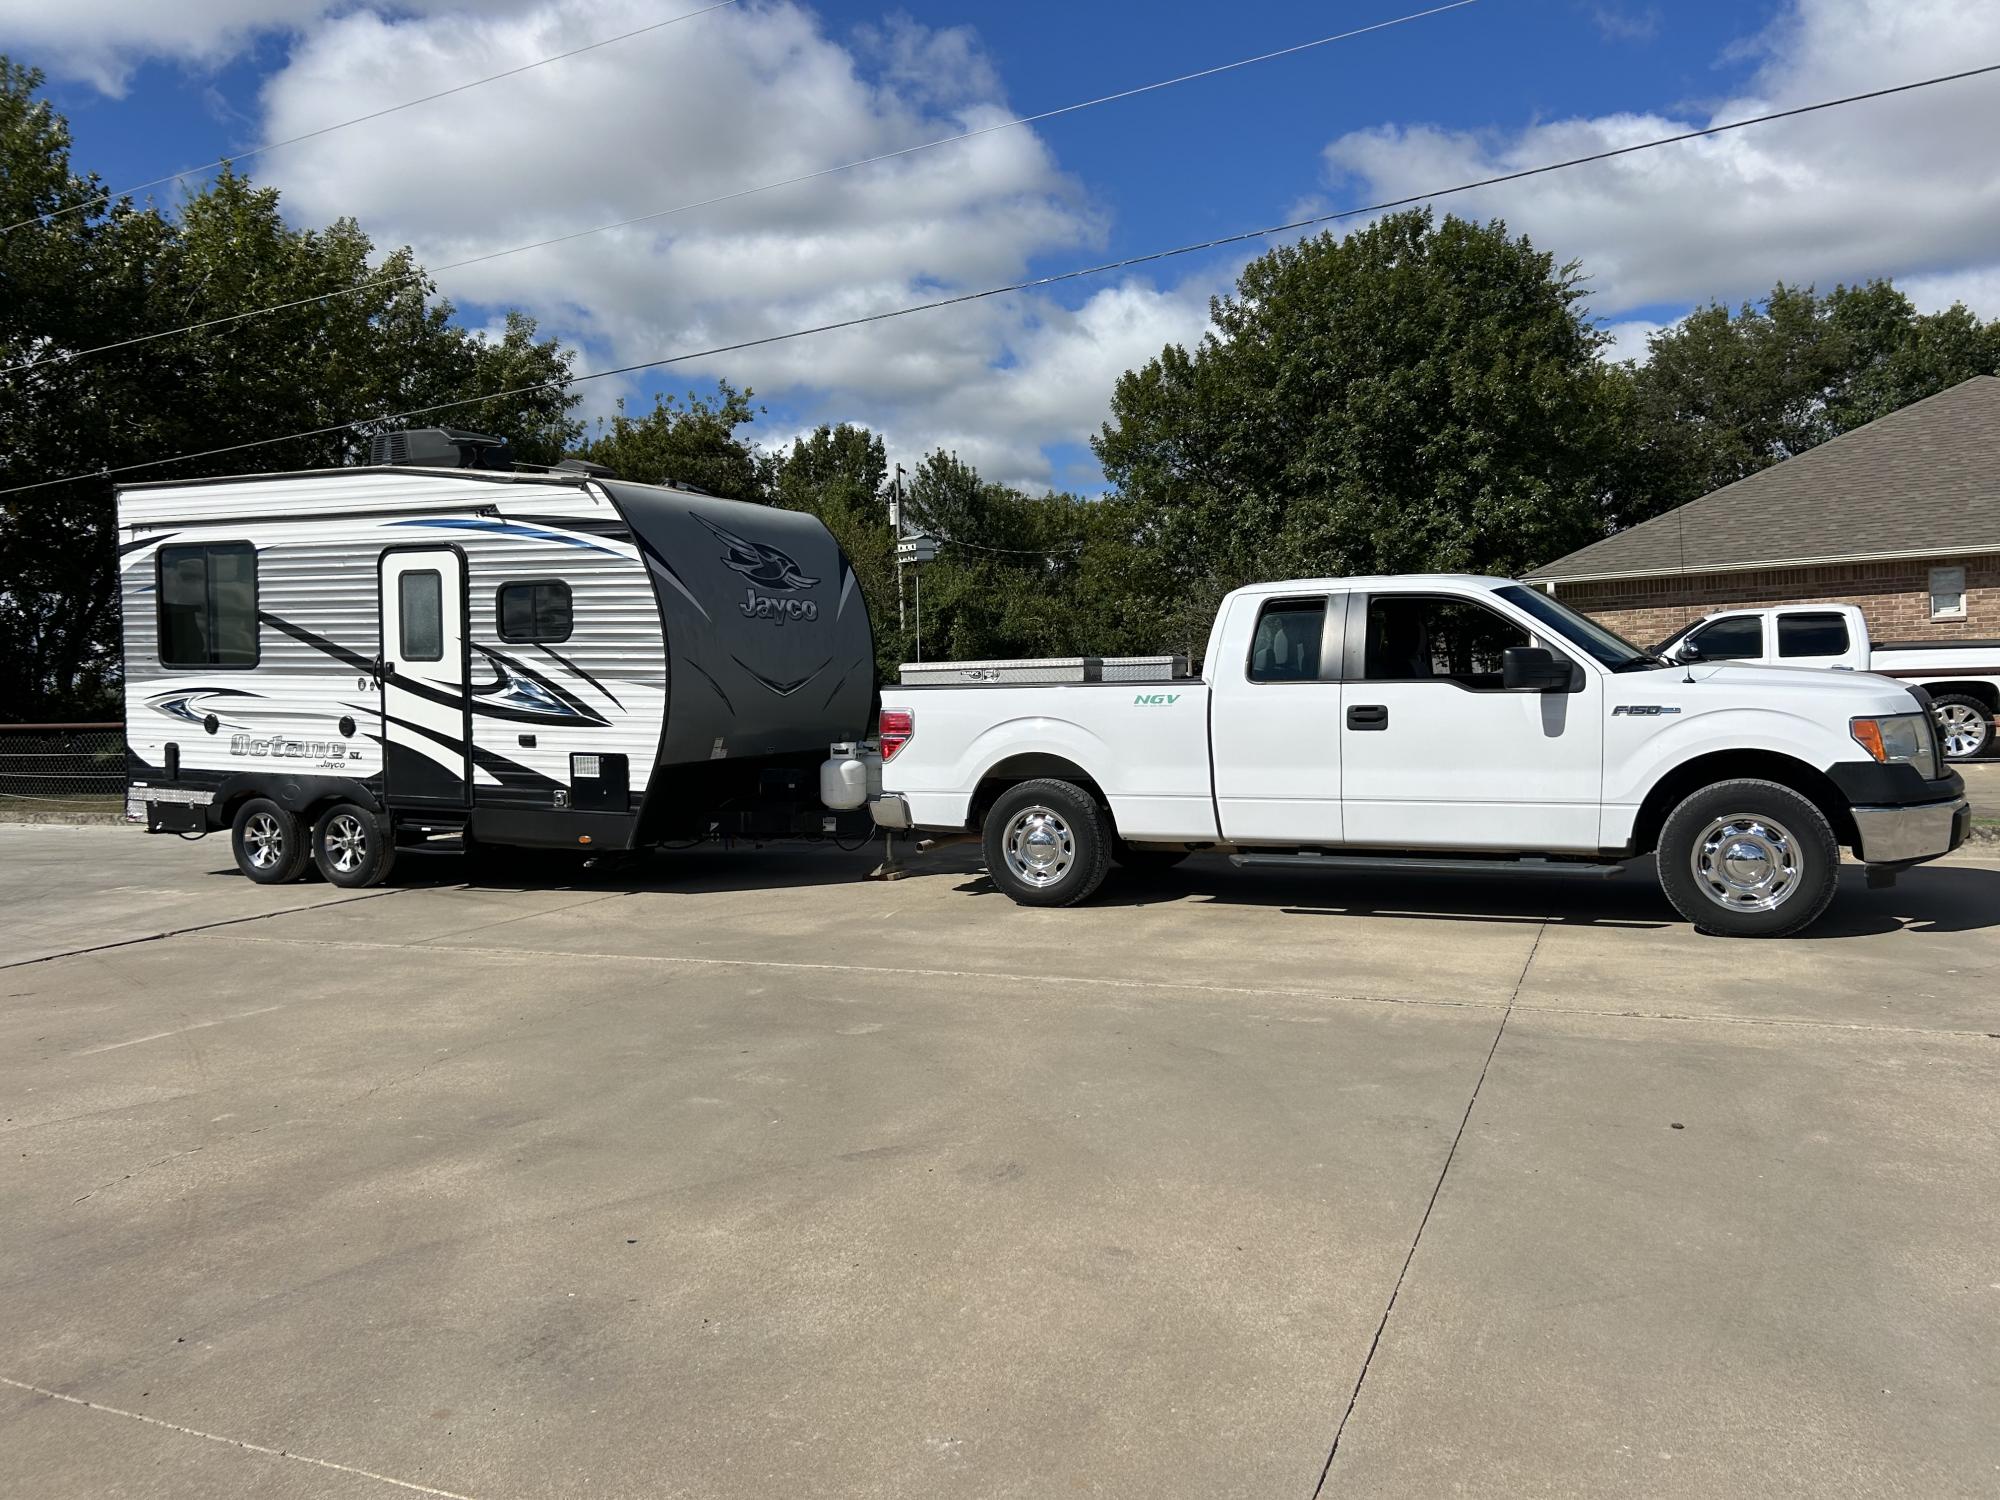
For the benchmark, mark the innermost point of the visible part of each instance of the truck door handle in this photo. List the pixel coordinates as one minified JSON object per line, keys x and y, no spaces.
{"x":1368,"y":716}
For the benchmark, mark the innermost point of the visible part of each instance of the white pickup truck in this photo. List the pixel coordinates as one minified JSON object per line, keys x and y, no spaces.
{"x":1439,"y":722}
{"x":1962,"y":677}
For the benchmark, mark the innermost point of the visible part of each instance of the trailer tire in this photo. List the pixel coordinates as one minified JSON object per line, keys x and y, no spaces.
{"x":1965,"y":722}
{"x":1748,"y":858}
{"x":1047,"y":843}
{"x":270,"y":844}
{"x":352,"y":846}
{"x":1146,"y":859}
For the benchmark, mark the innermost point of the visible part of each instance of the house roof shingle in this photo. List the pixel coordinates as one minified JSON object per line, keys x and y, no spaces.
{"x":1923,"y":481}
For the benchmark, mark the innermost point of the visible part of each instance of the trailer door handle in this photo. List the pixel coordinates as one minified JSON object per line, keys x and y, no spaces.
{"x":1368,"y":716}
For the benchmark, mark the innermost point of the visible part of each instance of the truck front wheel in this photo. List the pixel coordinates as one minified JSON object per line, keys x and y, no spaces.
{"x":1748,"y":859}
{"x":1048,"y":843}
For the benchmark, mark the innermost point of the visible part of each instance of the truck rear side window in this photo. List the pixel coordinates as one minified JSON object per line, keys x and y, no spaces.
{"x":208,"y":605}
{"x":1812,"y":635}
{"x":537,"y":611}
{"x":1429,"y":638}
{"x":1738,"y":638}
{"x":1286,"y":647}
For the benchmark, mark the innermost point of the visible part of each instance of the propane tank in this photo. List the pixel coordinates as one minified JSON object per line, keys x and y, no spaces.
{"x":850,"y":776}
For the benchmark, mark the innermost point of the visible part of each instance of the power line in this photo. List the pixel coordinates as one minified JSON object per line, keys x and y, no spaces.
{"x":1032,"y":283}
{"x":139,"y":187}
{"x":740,"y":193}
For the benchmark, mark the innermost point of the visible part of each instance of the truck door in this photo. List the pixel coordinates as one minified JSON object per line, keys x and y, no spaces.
{"x":1436,"y":754}
{"x":426,"y":713}
{"x":1274,"y":725}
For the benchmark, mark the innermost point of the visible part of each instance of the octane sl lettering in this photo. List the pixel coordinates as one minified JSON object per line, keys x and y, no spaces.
{"x":277,"y":745}
{"x":756,"y":606}
{"x":1156,"y":700}
{"x":1643,"y":710}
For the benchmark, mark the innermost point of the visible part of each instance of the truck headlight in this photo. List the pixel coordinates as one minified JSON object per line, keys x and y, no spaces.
{"x":1899,"y":738}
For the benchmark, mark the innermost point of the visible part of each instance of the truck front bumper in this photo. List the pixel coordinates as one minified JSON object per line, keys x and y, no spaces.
{"x":1911,"y":835}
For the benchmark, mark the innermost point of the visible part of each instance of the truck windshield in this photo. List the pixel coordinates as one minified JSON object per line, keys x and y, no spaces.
{"x":1612,"y":650}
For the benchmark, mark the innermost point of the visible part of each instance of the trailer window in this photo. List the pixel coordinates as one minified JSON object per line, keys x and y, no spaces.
{"x":208,"y":605}
{"x":420,"y":614}
{"x":1286,"y":646}
{"x":537,"y":611}
{"x":1812,"y":635}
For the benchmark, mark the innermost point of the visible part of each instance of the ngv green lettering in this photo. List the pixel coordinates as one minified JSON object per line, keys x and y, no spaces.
{"x":1156,"y":700}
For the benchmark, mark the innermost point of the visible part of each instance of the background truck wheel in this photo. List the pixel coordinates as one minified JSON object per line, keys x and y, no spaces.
{"x":1748,"y":859}
{"x":1965,"y":725}
{"x":351,"y":846}
{"x":269,"y":843}
{"x":1144,"y":859}
{"x":1047,"y":843}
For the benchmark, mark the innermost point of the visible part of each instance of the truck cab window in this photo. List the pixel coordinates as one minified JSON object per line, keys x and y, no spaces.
{"x":420,"y":609}
{"x":208,"y":605}
{"x":537,"y":611}
{"x":1812,"y":635}
{"x":1428,"y":638}
{"x":1738,"y":638}
{"x":1287,"y":644}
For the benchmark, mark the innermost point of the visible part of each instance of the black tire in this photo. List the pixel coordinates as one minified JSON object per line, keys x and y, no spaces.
{"x":1145,"y":859}
{"x":269,"y":843}
{"x":1967,"y":720}
{"x":1071,"y":833}
{"x":1781,"y":882}
{"x":352,"y":847}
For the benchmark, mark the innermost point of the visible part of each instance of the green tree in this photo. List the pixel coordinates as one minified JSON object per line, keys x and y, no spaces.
{"x":1724,"y":394}
{"x":840,"y":474}
{"x":102,"y":273}
{"x":691,"y":442}
{"x":1418,"y":396}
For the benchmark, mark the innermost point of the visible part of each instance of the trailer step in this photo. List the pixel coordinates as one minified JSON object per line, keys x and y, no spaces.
{"x":1444,"y":865}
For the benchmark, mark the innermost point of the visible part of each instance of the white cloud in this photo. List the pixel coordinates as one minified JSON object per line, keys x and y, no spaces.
{"x":1905,"y":186}
{"x":1629,"y":340}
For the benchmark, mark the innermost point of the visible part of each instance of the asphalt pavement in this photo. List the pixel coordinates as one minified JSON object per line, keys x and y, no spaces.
{"x":734,"y":1174}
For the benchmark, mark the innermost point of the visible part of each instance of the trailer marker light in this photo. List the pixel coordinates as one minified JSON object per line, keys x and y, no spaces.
{"x":583,"y":838}
{"x":898,"y":728}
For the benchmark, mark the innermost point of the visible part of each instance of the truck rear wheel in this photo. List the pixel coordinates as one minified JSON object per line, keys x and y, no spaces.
{"x":1965,"y":725}
{"x":1048,"y":843}
{"x":1748,"y":859}
{"x":269,"y":843}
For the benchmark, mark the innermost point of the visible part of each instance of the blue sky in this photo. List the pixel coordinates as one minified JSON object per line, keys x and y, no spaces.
{"x":771,"y":87}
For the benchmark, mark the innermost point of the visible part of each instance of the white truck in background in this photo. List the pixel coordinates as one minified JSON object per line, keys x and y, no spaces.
{"x":1440,"y":722}
{"x":1962,"y":677}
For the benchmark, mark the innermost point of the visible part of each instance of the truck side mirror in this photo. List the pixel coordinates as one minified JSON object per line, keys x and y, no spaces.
{"x":1533,"y":669}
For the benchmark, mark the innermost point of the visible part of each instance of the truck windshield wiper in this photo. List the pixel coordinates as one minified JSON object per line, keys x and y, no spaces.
{"x":1640,"y":661}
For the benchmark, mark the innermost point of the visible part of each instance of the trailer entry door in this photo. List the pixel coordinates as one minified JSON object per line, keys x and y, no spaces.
{"x":426,"y":711}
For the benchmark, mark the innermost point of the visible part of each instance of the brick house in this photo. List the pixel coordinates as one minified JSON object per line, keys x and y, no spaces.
{"x":1901,"y":517}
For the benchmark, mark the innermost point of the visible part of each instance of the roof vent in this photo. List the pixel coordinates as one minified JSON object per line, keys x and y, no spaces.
{"x":438,"y":448}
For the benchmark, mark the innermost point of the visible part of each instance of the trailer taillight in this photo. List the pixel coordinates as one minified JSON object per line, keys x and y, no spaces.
{"x":899,"y":725}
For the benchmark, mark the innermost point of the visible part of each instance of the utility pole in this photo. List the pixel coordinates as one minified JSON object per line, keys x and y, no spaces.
{"x":896,"y":541}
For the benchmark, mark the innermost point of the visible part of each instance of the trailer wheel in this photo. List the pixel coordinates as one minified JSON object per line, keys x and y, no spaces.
{"x":1748,"y":859}
{"x":1965,"y":725}
{"x":269,"y":843}
{"x":1047,"y":843}
{"x":1146,"y":859}
{"x":352,"y":847}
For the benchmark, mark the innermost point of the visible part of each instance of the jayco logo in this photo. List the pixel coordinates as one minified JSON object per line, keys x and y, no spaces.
{"x":756,"y":606}
{"x":1156,"y":700}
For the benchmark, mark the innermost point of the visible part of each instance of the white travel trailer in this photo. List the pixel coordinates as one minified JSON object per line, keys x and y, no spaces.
{"x":334,"y":664}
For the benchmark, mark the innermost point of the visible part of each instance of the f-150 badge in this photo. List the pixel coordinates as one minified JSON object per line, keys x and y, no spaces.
{"x":1643,"y":710}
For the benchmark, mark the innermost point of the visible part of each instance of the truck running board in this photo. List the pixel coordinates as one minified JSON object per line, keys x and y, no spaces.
{"x":1443,"y":864}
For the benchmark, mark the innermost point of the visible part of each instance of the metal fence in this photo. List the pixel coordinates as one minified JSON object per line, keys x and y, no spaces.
{"x":62,"y":768}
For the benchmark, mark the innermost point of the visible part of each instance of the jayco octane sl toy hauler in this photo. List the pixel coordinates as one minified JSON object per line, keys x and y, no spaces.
{"x":333,"y":664}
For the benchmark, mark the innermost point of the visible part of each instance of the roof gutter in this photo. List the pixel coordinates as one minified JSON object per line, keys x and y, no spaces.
{"x":1838,"y":560}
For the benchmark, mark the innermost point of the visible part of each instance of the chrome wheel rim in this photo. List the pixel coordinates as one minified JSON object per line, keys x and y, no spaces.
{"x":264,"y":842}
{"x":1746,"y":862}
{"x":1963,"y":730}
{"x":346,"y":843}
{"x":1039,"y":846}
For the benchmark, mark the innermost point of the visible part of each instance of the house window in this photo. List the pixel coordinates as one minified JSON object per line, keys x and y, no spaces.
{"x":538,"y":611}
{"x":1947,"y":593}
{"x":208,"y":605}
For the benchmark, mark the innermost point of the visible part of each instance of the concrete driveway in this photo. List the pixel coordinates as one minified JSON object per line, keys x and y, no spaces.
{"x":745,"y":1177}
